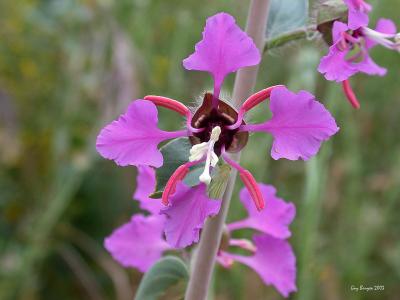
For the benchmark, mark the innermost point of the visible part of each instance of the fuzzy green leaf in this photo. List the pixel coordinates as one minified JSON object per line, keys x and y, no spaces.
{"x":285,"y":16}
{"x":165,"y":274}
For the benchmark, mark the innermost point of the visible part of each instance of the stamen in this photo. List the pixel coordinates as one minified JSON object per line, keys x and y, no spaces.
{"x":348,"y":91}
{"x":249,"y":182}
{"x":175,"y":106}
{"x":168,"y":103}
{"x":342,"y":45}
{"x":175,"y":178}
{"x":251,"y":102}
{"x":244,"y":244}
{"x":212,"y":158}
{"x":253,"y":189}
{"x":348,"y":37}
{"x":170,"y":187}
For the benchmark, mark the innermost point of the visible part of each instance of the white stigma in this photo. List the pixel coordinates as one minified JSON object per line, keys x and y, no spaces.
{"x":206,"y":148}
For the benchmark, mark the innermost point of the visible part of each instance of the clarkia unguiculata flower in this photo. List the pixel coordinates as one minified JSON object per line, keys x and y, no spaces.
{"x":299,"y":125}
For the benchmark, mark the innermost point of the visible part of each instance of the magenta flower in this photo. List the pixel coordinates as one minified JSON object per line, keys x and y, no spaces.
{"x":273,"y":258}
{"x":299,"y":125}
{"x":338,"y":65}
{"x":140,"y":242}
{"x":349,"y":55}
{"x":273,"y":261}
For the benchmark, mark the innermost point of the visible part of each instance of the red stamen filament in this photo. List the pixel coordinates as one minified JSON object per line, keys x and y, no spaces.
{"x":168,"y":103}
{"x":348,"y":91}
{"x":170,"y":187}
{"x":253,"y":189}
{"x":249,"y":182}
{"x":258,"y":97}
{"x":251,"y":102}
{"x":175,"y":178}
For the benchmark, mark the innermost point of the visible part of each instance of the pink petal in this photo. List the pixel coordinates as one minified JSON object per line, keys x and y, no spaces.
{"x":138,"y":243}
{"x":133,"y":138}
{"x":224,"y":49}
{"x":357,"y":19}
{"x":368,"y":66}
{"x":274,"y":219}
{"x":386,"y":26}
{"x":186,"y":214}
{"x":146,"y":182}
{"x":337,"y":30}
{"x":274,"y":262}
{"x":358,"y":13}
{"x":299,"y":124}
{"x":334,"y":65}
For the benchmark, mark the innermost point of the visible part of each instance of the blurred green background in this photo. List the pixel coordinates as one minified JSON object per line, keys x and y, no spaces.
{"x":68,"y":67}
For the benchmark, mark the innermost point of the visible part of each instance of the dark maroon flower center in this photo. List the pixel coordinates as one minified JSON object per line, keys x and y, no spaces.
{"x":206,"y":117}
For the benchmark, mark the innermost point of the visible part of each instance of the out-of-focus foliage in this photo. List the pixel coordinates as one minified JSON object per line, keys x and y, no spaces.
{"x":67,"y":67}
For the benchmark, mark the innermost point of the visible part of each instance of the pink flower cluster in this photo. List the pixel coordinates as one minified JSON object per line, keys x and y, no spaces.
{"x":140,"y":242}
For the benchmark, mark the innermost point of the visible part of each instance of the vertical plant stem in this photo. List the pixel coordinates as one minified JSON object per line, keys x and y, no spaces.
{"x":245,"y":80}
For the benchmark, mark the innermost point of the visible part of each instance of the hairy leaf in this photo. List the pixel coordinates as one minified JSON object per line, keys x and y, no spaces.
{"x":285,"y":16}
{"x":165,"y":274}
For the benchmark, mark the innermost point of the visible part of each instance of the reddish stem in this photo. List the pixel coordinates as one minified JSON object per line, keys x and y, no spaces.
{"x":348,"y":91}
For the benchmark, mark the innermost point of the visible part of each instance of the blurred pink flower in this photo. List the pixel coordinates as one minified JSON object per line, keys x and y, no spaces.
{"x":138,"y":243}
{"x":273,"y":258}
{"x":349,"y":53}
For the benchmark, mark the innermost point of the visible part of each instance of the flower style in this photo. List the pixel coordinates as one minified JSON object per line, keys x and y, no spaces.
{"x":140,"y":242}
{"x":349,"y":55}
{"x":299,"y":123}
